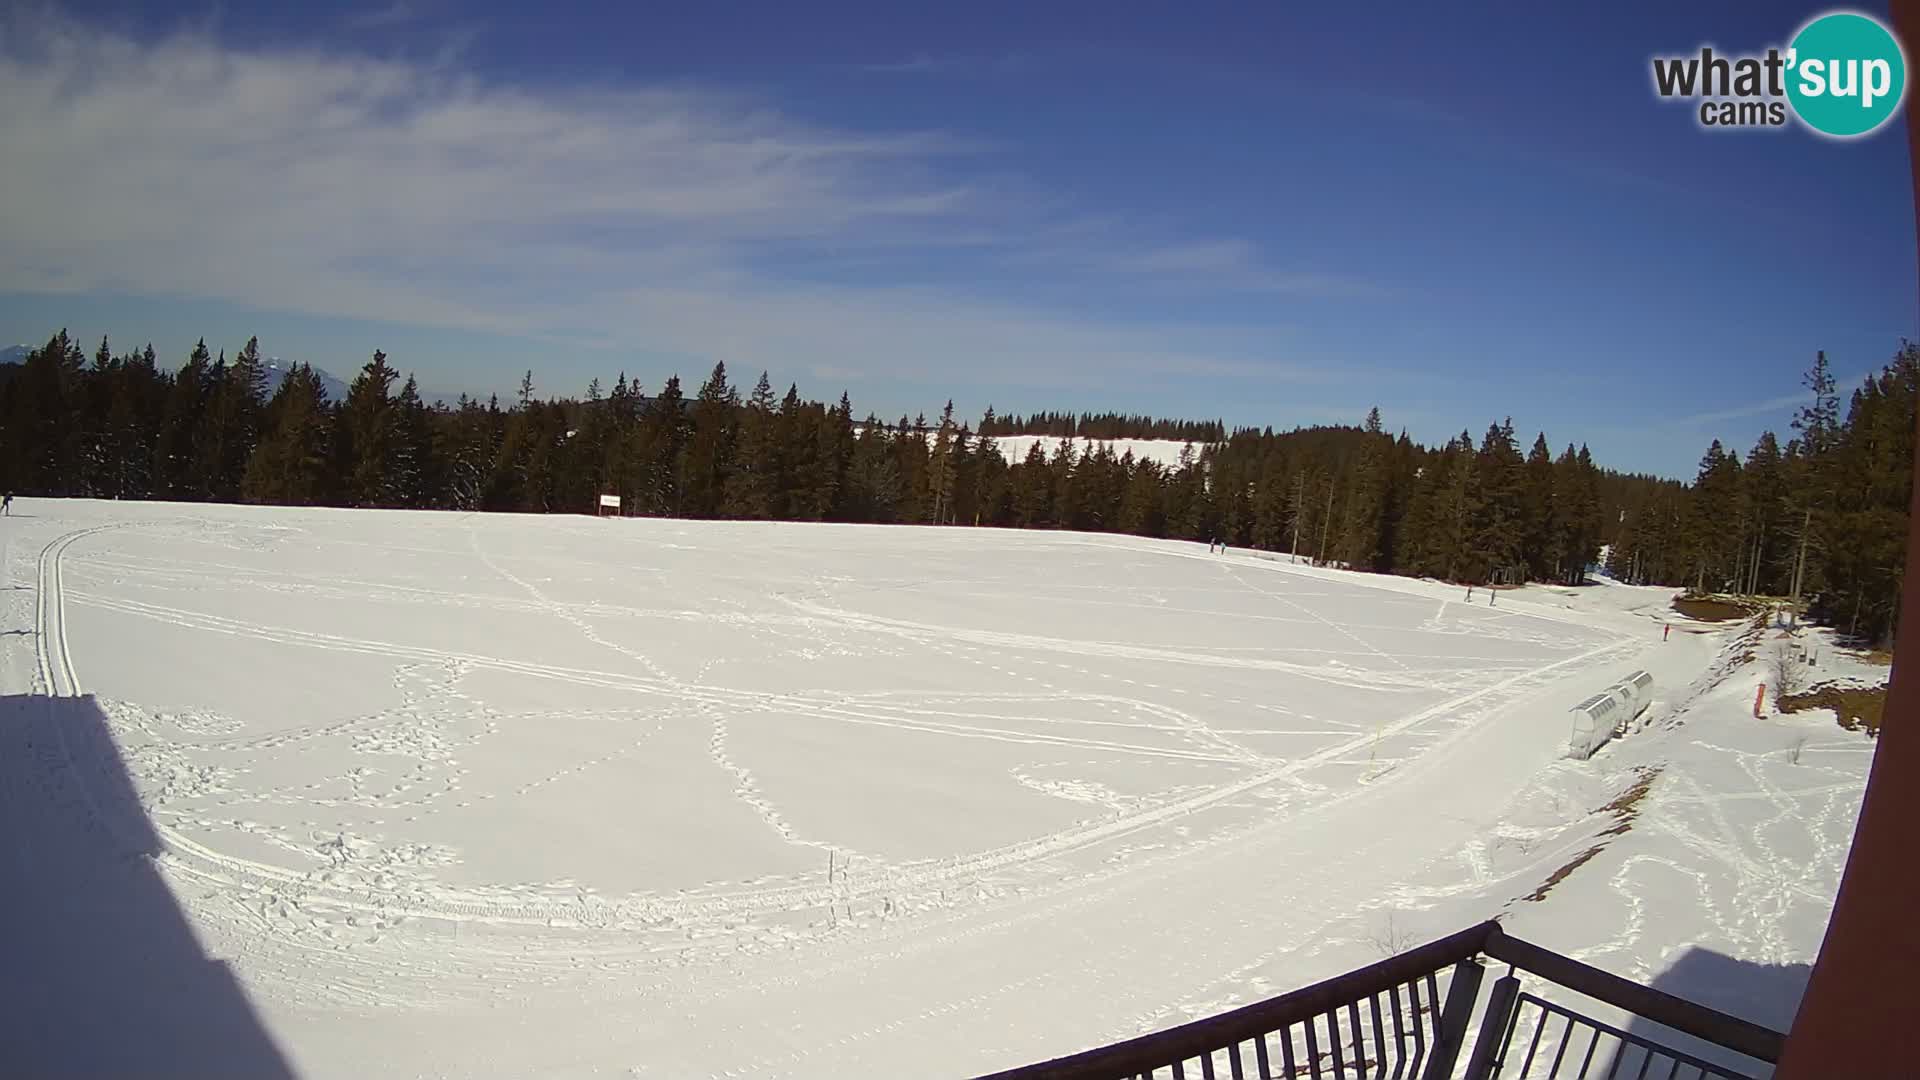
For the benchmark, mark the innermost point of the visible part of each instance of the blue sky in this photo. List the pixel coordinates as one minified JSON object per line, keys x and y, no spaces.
{"x":1264,"y":214}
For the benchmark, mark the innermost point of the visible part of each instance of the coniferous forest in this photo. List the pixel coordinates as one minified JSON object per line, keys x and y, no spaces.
{"x":1826,"y":508}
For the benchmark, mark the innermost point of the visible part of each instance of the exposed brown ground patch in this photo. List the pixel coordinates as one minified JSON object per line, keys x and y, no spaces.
{"x":1855,"y":707}
{"x":1624,"y":807}
{"x":1710,"y":609}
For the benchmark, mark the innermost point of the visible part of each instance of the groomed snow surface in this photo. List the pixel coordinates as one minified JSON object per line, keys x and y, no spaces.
{"x":455,"y":795}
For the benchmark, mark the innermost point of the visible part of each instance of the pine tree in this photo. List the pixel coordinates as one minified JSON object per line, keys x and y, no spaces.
{"x":185,"y":414}
{"x":1033,"y":489}
{"x":1063,"y":492}
{"x":873,"y":477}
{"x":910,"y":453}
{"x":1363,"y":520}
{"x":835,"y":447}
{"x":1867,"y":521}
{"x":941,"y":472}
{"x":242,"y":399}
{"x":993,"y":488}
{"x":1539,"y":549}
{"x":664,"y":434}
{"x":1812,"y":477}
{"x":289,"y":468}
{"x":1494,"y":546}
{"x":1567,"y":520}
{"x":368,"y":423}
{"x":752,"y":483}
{"x":1768,"y":559}
{"x":1714,"y":515}
{"x":415,"y":474}
{"x":1143,"y":503}
{"x":464,"y":444}
{"x":710,"y":446}
{"x":1447,"y":550}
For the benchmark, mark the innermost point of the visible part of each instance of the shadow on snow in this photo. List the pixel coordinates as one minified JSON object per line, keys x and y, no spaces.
{"x":104,"y":976}
{"x":1764,"y":994}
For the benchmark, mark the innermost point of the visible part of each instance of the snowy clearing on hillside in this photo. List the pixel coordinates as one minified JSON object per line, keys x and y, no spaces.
{"x":1163,"y":451}
{"x":485,"y":794}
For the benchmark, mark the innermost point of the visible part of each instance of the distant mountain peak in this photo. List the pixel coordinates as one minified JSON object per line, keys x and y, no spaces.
{"x":276,"y":369}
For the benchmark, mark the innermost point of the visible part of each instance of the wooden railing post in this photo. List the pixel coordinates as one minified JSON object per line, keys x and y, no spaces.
{"x":1462,"y":991}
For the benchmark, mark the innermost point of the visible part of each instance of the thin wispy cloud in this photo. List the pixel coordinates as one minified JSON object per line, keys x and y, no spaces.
{"x":1235,"y":264}
{"x":917,"y":64}
{"x":682,"y":220}
{"x":1770,"y":405}
{"x":393,"y":14}
{"x":921,"y":63}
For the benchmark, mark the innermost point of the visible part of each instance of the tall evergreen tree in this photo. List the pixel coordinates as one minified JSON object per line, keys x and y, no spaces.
{"x":1495,"y":501}
{"x":1767,"y":556}
{"x":709,"y":454}
{"x":416,"y":475}
{"x":289,"y":467}
{"x":185,"y":415}
{"x":1539,"y":549}
{"x":942,"y":471}
{"x":1363,"y":523}
{"x":368,"y":424}
{"x":239,"y":402}
{"x":752,"y":482}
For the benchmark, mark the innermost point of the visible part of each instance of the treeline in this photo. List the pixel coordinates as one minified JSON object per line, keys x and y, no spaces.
{"x":1823,"y":517}
{"x":1491,"y":509}
{"x":1102,"y":426}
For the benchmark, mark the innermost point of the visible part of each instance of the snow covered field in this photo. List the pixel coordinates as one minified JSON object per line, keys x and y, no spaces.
{"x":463,"y":794}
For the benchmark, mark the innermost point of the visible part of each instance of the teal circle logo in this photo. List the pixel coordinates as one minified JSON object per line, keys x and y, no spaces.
{"x":1846,"y":75}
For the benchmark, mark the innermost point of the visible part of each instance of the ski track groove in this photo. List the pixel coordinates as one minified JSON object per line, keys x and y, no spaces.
{"x":274,"y":886}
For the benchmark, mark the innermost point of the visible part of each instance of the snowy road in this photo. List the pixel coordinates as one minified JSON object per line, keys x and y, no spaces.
{"x":460,"y":795}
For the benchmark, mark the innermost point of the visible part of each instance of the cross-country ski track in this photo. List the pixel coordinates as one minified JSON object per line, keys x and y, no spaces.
{"x":1231,"y":809}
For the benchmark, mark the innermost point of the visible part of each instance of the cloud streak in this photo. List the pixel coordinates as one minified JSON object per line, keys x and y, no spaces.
{"x":393,"y":14}
{"x":682,"y":220}
{"x":1843,"y":386}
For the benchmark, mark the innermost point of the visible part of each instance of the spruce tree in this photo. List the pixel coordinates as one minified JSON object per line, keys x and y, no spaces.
{"x":289,"y":466}
{"x":415,"y":474}
{"x":709,"y":455}
{"x":369,"y":429}
{"x":1539,"y":551}
{"x":1494,"y":546}
{"x":1768,"y":557}
{"x":942,"y":470}
{"x":242,"y":401}
{"x":1363,"y":520}
{"x":752,"y":482}
{"x":835,"y":445}
{"x":1033,"y":489}
{"x":665,"y":430}
{"x":185,"y":414}
{"x":1813,"y":480}
{"x":1063,"y":490}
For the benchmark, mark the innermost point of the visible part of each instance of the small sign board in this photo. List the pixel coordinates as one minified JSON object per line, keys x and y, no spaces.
{"x":610,"y":501}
